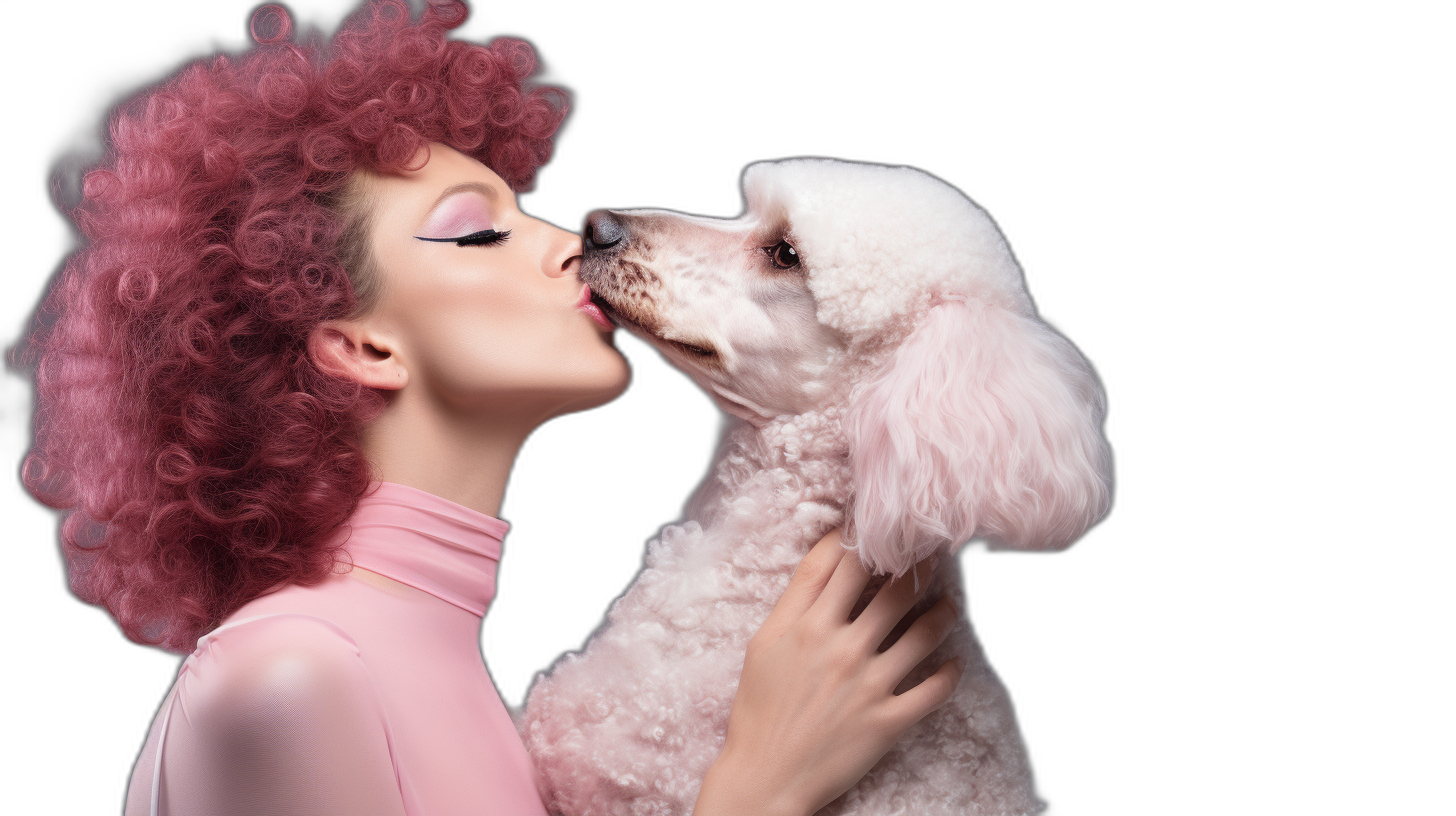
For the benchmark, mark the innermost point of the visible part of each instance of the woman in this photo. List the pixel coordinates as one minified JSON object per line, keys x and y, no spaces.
{"x":306,"y":276}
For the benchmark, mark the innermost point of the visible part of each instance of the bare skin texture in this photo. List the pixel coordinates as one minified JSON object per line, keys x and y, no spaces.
{"x":476,"y":345}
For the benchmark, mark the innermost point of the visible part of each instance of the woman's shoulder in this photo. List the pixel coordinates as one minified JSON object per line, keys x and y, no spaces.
{"x":283,"y":707}
{"x":280,"y":664}
{"x":285,"y":650}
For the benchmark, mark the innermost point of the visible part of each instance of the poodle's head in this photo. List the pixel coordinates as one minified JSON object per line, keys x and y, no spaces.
{"x":887,"y":291}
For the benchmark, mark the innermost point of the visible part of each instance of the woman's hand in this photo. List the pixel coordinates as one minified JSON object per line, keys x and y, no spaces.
{"x":816,"y":706}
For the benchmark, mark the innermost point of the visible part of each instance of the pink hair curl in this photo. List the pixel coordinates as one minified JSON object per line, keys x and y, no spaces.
{"x":200,"y":455}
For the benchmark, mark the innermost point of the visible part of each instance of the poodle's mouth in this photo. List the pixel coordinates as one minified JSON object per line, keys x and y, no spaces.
{"x":698,"y":351}
{"x":601,"y":303}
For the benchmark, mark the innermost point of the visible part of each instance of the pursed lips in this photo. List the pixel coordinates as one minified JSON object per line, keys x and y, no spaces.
{"x":589,"y":304}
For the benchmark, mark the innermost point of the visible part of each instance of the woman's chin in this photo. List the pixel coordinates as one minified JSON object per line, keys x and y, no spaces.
{"x":611,"y":384}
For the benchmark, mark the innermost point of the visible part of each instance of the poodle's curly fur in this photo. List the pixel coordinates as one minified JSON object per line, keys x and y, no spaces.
{"x":871,"y":331}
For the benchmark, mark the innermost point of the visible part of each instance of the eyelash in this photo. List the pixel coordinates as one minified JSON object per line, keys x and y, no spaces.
{"x":482,"y":238}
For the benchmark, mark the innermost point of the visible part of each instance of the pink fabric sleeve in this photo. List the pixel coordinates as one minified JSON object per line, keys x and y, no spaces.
{"x":275,"y":715}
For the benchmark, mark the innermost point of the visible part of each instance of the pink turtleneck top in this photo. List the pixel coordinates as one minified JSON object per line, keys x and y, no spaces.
{"x":356,"y":696}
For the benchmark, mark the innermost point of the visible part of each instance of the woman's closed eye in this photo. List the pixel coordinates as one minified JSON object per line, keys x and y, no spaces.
{"x":484,"y":237}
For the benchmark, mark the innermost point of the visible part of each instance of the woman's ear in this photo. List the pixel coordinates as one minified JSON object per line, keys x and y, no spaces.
{"x":352,"y":350}
{"x":985,"y":422}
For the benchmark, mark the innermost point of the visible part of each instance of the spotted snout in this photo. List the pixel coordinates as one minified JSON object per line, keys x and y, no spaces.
{"x":614,"y":265}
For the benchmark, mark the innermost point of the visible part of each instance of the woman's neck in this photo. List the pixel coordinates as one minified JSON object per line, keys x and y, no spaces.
{"x":461,"y":456}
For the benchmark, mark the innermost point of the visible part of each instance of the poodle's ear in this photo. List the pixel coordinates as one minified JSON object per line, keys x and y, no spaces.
{"x":985,"y":422}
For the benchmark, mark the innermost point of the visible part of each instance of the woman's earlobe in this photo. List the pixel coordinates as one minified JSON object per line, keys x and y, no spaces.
{"x":344,"y":349}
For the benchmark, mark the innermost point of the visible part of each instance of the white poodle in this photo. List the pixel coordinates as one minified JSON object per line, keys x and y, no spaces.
{"x":871,"y":332}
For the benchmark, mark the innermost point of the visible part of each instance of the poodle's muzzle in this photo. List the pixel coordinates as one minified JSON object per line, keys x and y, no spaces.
{"x":705,"y":293}
{"x":622,"y":290}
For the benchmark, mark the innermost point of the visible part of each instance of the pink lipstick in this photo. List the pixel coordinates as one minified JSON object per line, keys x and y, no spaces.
{"x":592,"y":310}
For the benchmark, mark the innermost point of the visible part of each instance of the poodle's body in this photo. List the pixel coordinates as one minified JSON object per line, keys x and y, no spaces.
{"x":851,"y":412}
{"x":632,"y":724}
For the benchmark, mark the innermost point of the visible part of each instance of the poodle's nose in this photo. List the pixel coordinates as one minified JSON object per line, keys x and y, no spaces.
{"x":602,"y":231}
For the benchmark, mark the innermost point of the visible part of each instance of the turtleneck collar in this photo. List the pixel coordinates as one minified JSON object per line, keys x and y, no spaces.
{"x":427,"y":542}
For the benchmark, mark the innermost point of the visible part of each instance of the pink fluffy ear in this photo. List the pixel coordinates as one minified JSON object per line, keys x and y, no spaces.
{"x":984,"y":423}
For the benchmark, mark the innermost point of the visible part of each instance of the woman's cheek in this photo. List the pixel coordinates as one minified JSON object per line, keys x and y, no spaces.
{"x":470,"y":352}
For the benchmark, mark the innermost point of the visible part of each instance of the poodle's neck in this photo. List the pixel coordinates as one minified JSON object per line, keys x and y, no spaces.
{"x":792,"y":471}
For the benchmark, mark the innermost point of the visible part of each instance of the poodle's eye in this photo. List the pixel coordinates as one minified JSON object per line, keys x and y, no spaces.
{"x":783,"y":255}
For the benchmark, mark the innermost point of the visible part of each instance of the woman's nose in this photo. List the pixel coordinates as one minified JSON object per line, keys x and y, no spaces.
{"x":567,"y":255}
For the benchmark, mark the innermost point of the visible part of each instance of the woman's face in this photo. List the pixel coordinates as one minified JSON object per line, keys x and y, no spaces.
{"x":491,"y":324}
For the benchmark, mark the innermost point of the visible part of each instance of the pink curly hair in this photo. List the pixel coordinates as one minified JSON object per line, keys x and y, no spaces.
{"x":200,"y":455}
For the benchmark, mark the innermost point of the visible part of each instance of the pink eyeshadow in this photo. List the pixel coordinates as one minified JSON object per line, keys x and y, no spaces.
{"x":458,"y":215}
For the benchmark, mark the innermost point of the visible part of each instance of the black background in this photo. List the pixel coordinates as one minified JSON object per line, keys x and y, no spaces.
{"x":1105,"y":156}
